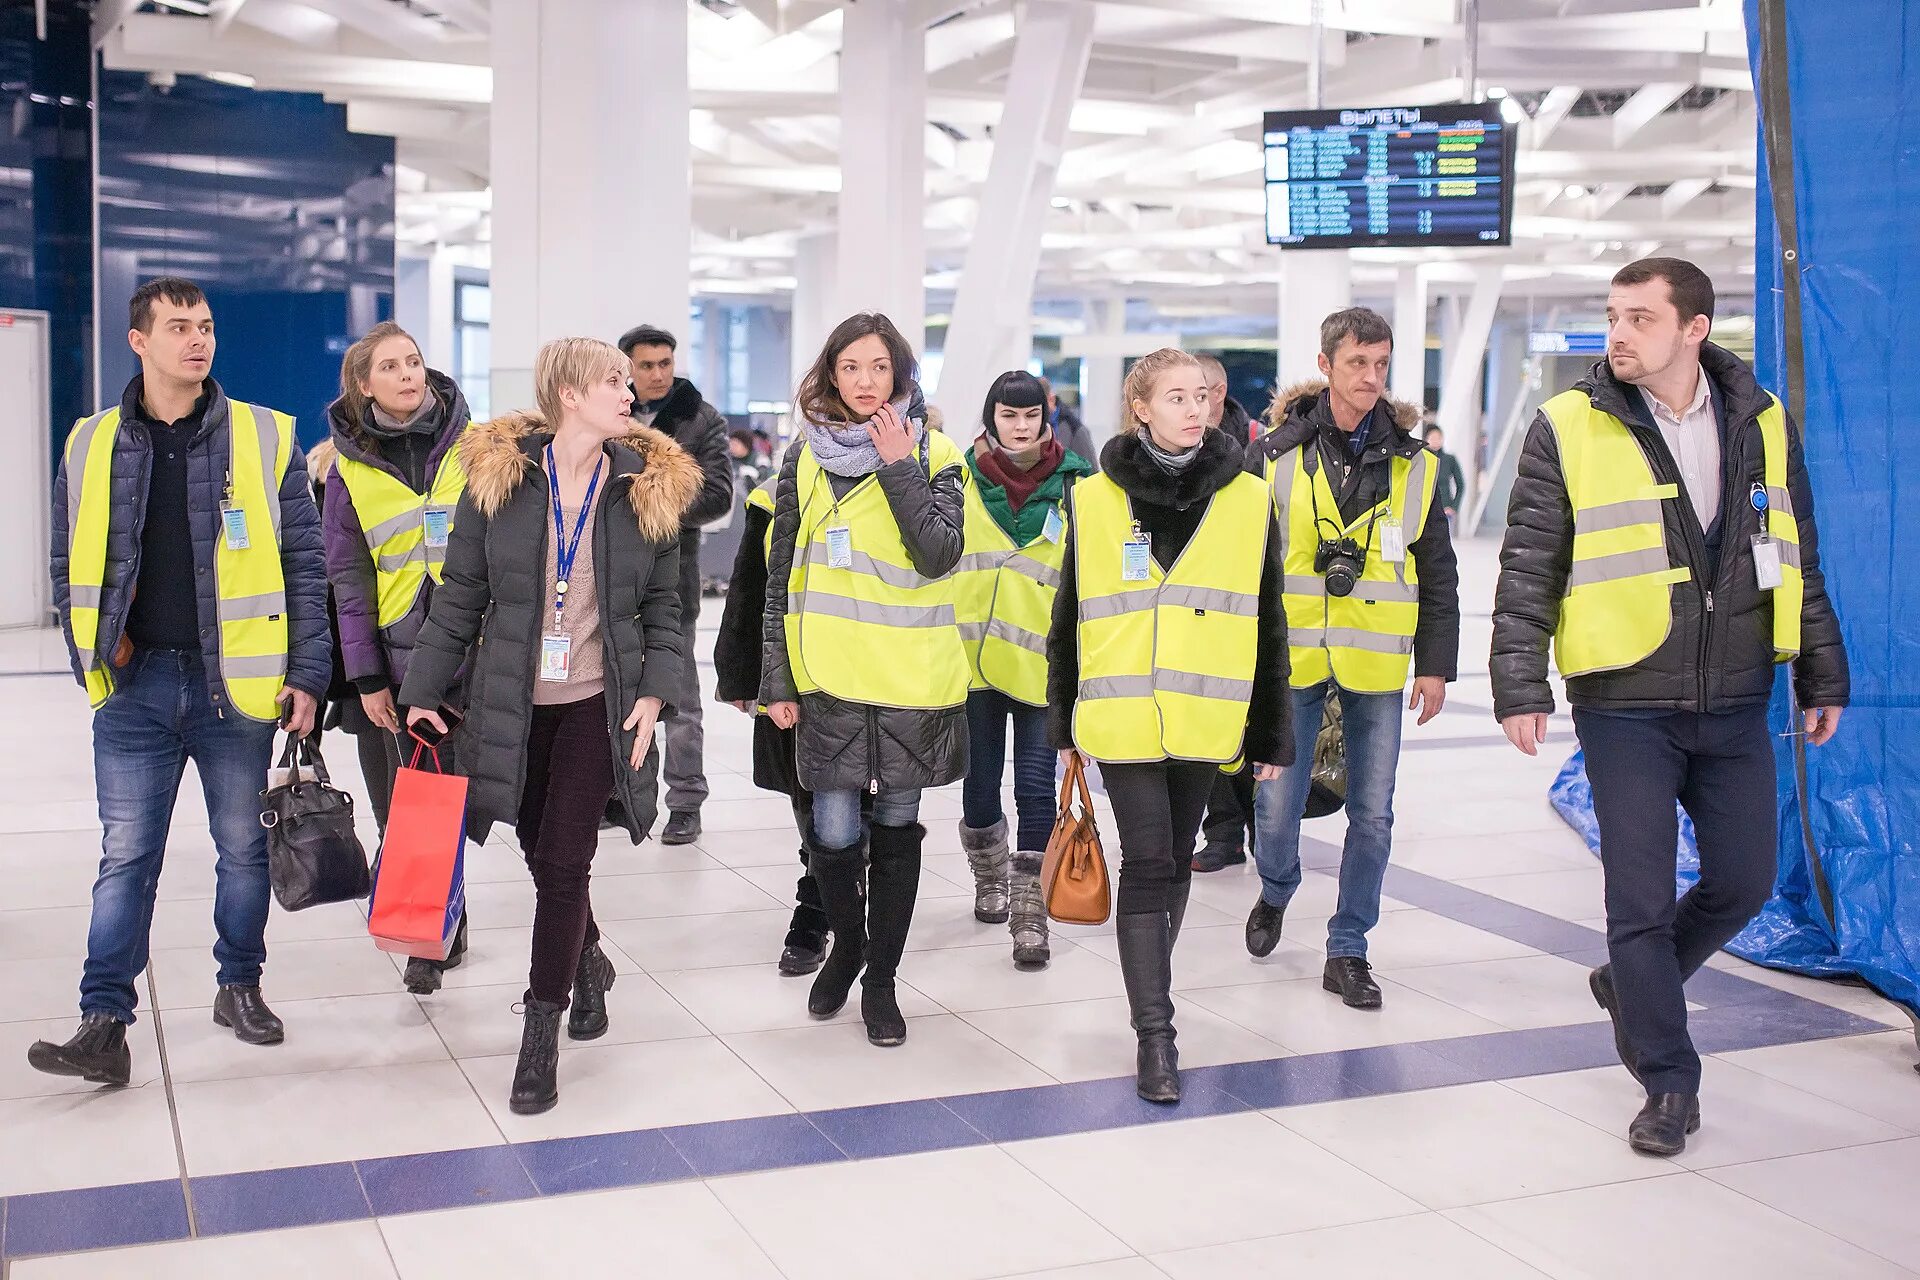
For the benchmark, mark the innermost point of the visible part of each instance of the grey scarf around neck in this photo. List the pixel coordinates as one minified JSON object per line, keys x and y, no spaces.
{"x":845,"y":448}
{"x":425,"y":419}
{"x":1172,"y":463}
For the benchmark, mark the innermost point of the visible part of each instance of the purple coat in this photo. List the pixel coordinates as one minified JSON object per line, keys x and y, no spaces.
{"x":375,"y":657}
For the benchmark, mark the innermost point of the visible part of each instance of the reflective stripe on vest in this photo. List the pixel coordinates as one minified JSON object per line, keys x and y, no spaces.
{"x":393,"y":521}
{"x":249,"y":586}
{"x":1004,"y":597}
{"x":1618,"y":607}
{"x":1166,"y":665}
{"x":1363,"y":641}
{"x":873,"y":631}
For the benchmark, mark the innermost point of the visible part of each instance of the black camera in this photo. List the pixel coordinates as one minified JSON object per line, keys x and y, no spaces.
{"x":1341,"y":560}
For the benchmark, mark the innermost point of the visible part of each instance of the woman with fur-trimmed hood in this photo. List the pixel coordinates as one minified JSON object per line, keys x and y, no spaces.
{"x":562,"y":579}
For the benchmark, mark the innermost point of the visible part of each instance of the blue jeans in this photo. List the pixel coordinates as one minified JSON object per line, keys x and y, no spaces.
{"x":159,"y":718}
{"x":837,"y":819}
{"x":1371,"y":722}
{"x":1033,"y":762}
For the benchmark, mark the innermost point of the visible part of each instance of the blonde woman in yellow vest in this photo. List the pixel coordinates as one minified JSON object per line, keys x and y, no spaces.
{"x":861,"y":646}
{"x":1016,"y":539}
{"x":1167,"y":659}
{"x":388,"y":521}
{"x":188,"y":579}
{"x":1661,"y":541}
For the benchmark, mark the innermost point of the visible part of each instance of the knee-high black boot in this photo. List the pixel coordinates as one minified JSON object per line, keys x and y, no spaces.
{"x":839,"y":874}
{"x":1146,"y":966}
{"x":893,"y":886}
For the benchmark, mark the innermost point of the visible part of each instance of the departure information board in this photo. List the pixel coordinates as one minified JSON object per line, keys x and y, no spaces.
{"x":1389,"y":176}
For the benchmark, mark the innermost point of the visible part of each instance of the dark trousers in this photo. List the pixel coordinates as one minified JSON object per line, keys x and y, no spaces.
{"x":1157,"y":808}
{"x":379,"y":761}
{"x":988,"y":711}
{"x":569,"y":781}
{"x":1230,"y":809}
{"x":1720,"y":767}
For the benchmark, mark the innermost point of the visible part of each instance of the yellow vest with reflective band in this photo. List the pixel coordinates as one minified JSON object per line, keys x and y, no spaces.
{"x":393,"y":520}
{"x":874,"y":631}
{"x":1005,"y":599}
{"x":1363,"y":641}
{"x":1166,"y":665}
{"x":1618,"y":606}
{"x":249,"y":586}
{"x":762,"y":497}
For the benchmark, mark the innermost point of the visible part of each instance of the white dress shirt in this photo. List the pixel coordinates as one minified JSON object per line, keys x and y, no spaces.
{"x":1693,"y":437}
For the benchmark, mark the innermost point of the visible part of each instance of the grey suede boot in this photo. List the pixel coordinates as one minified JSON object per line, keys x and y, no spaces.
{"x":1028,"y":922}
{"x":987,"y":854}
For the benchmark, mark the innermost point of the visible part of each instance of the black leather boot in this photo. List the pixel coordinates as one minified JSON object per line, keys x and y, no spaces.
{"x":423,"y":976}
{"x":1146,"y":966}
{"x":1662,"y":1126}
{"x":841,"y":875}
{"x":587,"y":1019}
{"x":245,"y":1010}
{"x":893,"y":885}
{"x":536,"y":1085}
{"x":1600,"y":982}
{"x":1351,"y":978}
{"x":97,"y":1053}
{"x":805,"y":947}
{"x":1263,"y":927}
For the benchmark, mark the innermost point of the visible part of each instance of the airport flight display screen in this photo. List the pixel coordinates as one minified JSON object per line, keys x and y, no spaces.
{"x":1389,"y":177}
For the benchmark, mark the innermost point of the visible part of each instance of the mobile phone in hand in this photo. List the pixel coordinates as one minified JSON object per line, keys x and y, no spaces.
{"x":426,"y":735}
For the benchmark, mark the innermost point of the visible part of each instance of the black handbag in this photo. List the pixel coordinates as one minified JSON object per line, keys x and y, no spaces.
{"x":313,"y":853}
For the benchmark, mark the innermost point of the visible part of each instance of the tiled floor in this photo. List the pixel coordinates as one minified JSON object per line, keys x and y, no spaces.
{"x":1469,"y":1129}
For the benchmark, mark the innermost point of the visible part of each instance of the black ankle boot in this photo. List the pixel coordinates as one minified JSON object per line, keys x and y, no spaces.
{"x":1146,"y":966}
{"x":423,"y":976}
{"x":536,"y":1086}
{"x":97,"y":1053}
{"x":893,"y":887}
{"x":840,"y":873}
{"x":245,"y":1010}
{"x":587,"y":1019}
{"x":806,"y":942}
{"x":1663,"y":1124}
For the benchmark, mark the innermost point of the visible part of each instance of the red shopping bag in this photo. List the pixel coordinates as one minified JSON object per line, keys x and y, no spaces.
{"x":419,"y":879}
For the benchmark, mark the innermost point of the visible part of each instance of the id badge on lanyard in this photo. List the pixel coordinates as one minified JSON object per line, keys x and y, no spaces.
{"x":556,"y":657}
{"x":233,"y":524}
{"x":839,"y":547}
{"x":1393,"y":542}
{"x":1135,"y":554}
{"x":1054,"y":527}
{"x":437,"y":522}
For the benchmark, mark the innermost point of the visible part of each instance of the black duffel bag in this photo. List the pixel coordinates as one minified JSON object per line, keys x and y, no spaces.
{"x":313,"y":853}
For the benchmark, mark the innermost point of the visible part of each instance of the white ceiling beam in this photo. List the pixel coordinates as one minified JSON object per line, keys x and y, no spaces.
{"x":1428,"y":19}
{"x":108,"y":15}
{"x":1552,"y":111}
{"x":161,"y":42}
{"x":389,"y":23}
{"x":1639,"y":111}
{"x":1679,"y":195}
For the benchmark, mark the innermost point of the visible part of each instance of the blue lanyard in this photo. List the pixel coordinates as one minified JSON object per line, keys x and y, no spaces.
{"x":566,"y":549}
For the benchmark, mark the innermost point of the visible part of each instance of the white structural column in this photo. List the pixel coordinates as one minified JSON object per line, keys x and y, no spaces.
{"x":992,"y":328}
{"x":813,"y":302}
{"x":882,"y":259}
{"x":1314,"y":283}
{"x":1459,"y":399}
{"x":1407,"y":380}
{"x":592,"y":189}
{"x":1103,"y":369}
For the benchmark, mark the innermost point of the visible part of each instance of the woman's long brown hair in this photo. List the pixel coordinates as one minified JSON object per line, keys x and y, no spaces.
{"x":818,"y":400}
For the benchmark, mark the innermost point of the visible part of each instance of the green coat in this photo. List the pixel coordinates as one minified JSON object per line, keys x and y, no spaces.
{"x":1032,"y":518}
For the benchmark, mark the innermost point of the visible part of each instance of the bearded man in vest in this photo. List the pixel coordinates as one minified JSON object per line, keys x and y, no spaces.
{"x":191,"y":585}
{"x":1372,"y":597}
{"x":1661,"y":535}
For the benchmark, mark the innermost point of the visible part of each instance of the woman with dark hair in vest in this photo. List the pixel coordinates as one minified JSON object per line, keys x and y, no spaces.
{"x":1167,"y":659}
{"x":862,"y":647}
{"x":1016,"y":536}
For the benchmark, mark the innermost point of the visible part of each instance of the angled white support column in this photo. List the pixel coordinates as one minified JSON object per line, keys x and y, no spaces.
{"x":1466,"y":348}
{"x":813,"y":302}
{"x":592,"y":185}
{"x":882,"y":258}
{"x":1407,"y":379}
{"x":992,"y":328}
{"x":1103,"y":369}
{"x":1314,"y":283}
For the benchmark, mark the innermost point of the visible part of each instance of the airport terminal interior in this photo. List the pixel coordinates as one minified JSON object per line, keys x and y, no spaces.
{"x":1053,"y":186}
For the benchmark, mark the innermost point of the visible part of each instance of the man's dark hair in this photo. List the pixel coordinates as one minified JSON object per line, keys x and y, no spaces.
{"x":646,"y":335}
{"x":1687,"y":285}
{"x":180,"y":292}
{"x":1366,"y":327}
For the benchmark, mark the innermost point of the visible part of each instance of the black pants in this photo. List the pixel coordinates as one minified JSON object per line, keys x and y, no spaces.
{"x":569,"y":781}
{"x":379,"y":761}
{"x":1230,"y":809}
{"x":1157,"y":808}
{"x":1720,"y":767}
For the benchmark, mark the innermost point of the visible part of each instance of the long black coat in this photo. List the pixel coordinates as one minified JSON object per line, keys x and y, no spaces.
{"x":492,"y":599}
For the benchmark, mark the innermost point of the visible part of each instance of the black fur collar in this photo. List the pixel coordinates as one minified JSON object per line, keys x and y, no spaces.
{"x":1126,"y":463}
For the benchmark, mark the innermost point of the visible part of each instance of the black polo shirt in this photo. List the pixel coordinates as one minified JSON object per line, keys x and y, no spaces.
{"x":166,"y":607}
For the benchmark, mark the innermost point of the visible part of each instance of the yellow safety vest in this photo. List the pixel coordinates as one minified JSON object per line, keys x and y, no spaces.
{"x":1363,"y":641}
{"x":1166,"y":664}
{"x":872,"y":630}
{"x":1618,"y":606}
{"x":1005,"y":597}
{"x":762,"y":497}
{"x":393,"y":518}
{"x":249,"y":586}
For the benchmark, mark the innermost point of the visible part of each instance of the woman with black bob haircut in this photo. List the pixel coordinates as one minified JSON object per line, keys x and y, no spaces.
{"x":861,"y":646}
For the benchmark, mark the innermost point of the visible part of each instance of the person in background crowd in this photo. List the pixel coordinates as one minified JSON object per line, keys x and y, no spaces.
{"x":395,"y":431}
{"x":190,"y":585}
{"x":1452,"y":484}
{"x":1067,"y":427}
{"x":562,"y":581}
{"x":672,"y":406}
{"x":1372,"y":590}
{"x":748,"y":469}
{"x":1015,"y":537}
{"x":861,"y":648}
{"x":1223,"y":411}
{"x":1661,"y":534}
{"x":1167,"y":657}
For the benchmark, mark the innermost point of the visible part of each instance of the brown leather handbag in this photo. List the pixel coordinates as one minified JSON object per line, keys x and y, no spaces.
{"x":1074,"y":875}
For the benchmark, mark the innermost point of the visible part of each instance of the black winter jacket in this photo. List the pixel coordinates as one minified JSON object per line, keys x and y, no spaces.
{"x":302,"y":561}
{"x":1718,"y":656}
{"x":492,"y":600}
{"x":851,"y":745}
{"x":701,"y":431}
{"x":736,"y":656}
{"x":1169,"y":509}
{"x":1296,"y":417}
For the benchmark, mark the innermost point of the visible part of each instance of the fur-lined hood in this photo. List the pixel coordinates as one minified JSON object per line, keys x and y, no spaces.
{"x":662,"y":479}
{"x":1289,"y":420}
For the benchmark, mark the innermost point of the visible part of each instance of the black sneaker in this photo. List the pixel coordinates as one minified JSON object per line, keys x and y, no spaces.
{"x":1218,"y":856}
{"x":683,"y":827}
{"x":1263,"y":928}
{"x":97,"y":1053}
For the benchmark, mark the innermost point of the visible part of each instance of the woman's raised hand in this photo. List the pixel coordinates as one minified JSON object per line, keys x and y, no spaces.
{"x":890,"y":435}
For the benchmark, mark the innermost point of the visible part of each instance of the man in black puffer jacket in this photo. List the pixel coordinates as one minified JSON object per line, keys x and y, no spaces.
{"x":1661,"y":511}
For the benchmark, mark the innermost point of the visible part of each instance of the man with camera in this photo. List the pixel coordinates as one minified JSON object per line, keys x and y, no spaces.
{"x":1372,"y":592}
